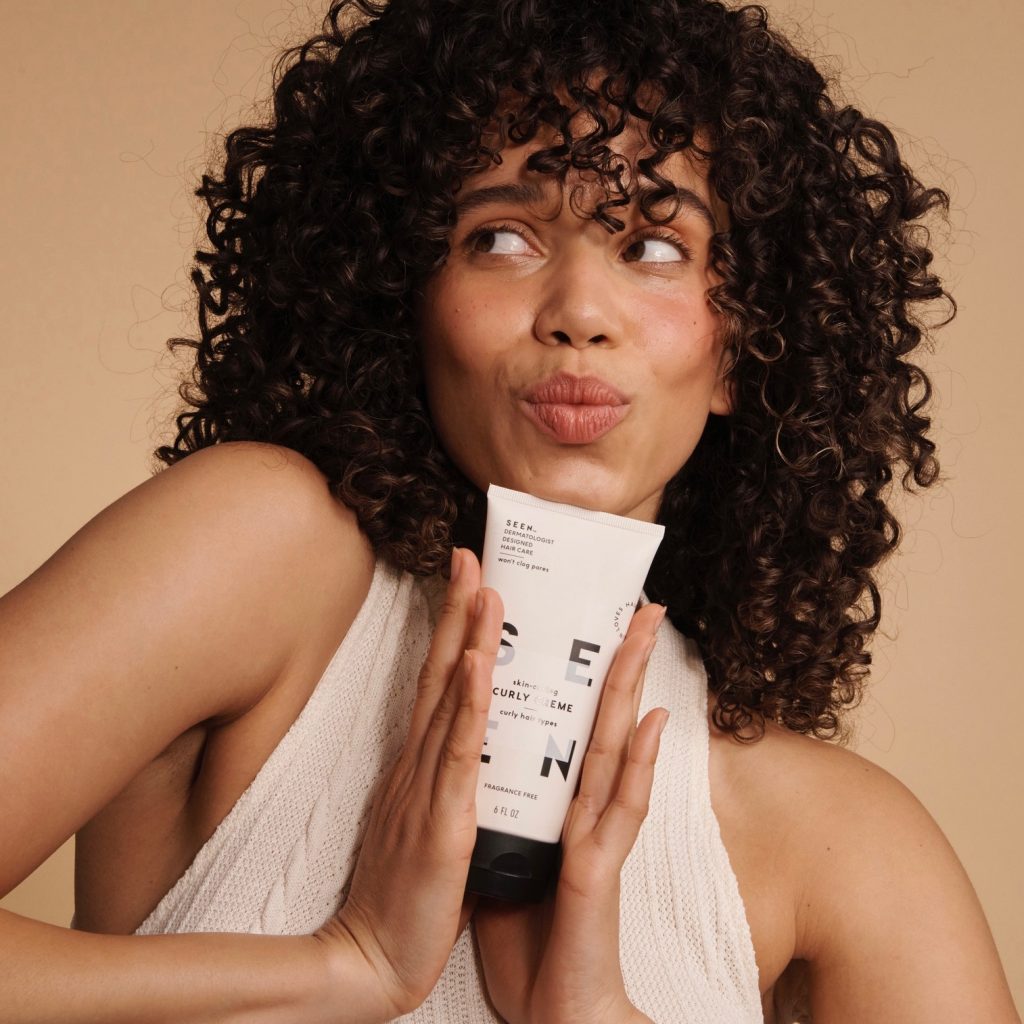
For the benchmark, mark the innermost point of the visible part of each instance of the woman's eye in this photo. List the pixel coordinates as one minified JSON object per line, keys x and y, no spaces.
{"x":502,"y":241}
{"x":659,"y":250}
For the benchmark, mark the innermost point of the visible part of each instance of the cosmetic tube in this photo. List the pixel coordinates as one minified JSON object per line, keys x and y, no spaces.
{"x":570,"y":579}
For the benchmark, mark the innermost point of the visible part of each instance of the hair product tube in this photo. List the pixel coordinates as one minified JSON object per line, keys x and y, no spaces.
{"x":570,"y":579}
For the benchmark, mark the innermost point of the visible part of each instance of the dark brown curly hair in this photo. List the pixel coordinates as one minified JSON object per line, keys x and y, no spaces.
{"x":325,"y":223}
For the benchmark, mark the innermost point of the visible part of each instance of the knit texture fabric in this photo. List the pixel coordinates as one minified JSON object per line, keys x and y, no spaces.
{"x":281,"y":860}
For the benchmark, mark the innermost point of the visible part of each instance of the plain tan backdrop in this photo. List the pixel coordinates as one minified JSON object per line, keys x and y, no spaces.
{"x":110,"y":109}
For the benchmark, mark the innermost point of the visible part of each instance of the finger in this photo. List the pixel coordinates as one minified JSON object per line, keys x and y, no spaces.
{"x":606,"y":754}
{"x":652,"y":624}
{"x":455,"y":756}
{"x":455,"y":736}
{"x":619,"y":826}
{"x":446,"y":646}
{"x":450,"y":700}
{"x":647,"y":620}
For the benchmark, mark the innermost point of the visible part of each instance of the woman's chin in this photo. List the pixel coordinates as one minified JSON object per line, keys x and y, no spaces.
{"x":590,"y":494}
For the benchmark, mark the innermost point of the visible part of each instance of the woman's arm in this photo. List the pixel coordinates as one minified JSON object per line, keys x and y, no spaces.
{"x":891,"y":926}
{"x":55,"y":974}
{"x":180,"y":603}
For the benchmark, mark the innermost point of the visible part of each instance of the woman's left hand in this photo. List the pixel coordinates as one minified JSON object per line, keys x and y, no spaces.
{"x":558,"y":960}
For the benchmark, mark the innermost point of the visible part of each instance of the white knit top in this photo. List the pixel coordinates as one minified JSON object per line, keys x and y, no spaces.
{"x":280,"y":861}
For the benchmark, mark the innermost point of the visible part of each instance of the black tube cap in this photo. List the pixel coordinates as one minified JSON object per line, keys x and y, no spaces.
{"x":512,"y":868}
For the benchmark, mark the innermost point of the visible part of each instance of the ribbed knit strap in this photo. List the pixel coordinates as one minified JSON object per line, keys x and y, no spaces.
{"x":685,"y":942}
{"x":366,"y":726}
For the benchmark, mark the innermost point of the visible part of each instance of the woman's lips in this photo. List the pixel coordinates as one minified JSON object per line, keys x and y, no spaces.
{"x":574,"y":424}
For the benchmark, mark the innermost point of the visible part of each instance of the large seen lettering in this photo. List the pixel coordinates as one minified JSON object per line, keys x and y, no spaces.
{"x":553,"y":754}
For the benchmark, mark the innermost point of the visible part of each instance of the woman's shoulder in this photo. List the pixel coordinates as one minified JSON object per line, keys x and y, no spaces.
{"x":864,"y":866}
{"x":273,"y":572}
{"x":812,"y":806}
{"x":236,"y":547}
{"x":272,"y":505}
{"x":265,"y":476}
{"x":788,"y":774}
{"x":263,"y":485}
{"x":182,"y":604}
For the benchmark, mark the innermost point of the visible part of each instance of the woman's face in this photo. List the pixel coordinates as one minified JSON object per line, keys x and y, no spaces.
{"x":531,"y":289}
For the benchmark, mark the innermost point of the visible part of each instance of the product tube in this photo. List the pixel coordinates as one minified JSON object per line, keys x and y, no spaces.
{"x":570,"y":579}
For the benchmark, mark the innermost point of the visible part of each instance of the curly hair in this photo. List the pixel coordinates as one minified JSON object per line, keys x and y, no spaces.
{"x":324,"y":224}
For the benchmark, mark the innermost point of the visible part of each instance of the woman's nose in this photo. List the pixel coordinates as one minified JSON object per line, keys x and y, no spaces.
{"x":577,"y":305}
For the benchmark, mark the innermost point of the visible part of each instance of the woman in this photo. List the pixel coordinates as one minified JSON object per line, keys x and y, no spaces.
{"x":379,"y":297}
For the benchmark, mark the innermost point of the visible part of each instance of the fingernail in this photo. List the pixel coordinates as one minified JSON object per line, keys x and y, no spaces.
{"x":456,"y":564}
{"x":664,"y":722}
{"x":661,"y":617}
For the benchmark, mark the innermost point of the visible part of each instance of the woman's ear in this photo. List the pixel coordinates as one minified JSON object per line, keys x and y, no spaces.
{"x":724,"y":395}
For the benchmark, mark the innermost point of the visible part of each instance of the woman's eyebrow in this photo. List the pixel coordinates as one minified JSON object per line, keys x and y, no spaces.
{"x":517,"y":192}
{"x":688,"y":200}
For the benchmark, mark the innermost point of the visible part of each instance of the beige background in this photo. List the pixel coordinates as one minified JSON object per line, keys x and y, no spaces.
{"x":109,"y":108}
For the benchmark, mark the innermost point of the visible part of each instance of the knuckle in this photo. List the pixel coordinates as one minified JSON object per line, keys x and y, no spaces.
{"x":445,"y":838}
{"x":426,"y":679}
{"x":456,"y":756}
{"x":643,"y":763}
{"x":632,"y":809}
{"x":619,"y":685}
{"x":445,"y":708}
{"x":438,"y":726}
{"x":396,"y":778}
{"x":474,"y":699}
{"x":482,"y":705}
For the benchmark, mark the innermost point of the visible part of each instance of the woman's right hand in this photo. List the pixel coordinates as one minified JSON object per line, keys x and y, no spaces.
{"x":406,"y":904}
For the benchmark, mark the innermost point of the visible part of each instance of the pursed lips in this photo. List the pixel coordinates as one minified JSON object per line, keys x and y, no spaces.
{"x":575,"y":410}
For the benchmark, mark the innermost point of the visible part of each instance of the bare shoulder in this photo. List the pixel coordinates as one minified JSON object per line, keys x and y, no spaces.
{"x":181,"y":604}
{"x":279,"y":528}
{"x":303,"y":562}
{"x":264,"y":483}
{"x":257,"y":474}
{"x":884,"y":913}
{"x":257,"y":523}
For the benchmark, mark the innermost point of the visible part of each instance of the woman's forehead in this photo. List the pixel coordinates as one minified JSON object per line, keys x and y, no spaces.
{"x":513,"y":181}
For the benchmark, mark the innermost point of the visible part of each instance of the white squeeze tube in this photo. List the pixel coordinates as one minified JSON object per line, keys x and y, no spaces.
{"x":570,"y":579}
